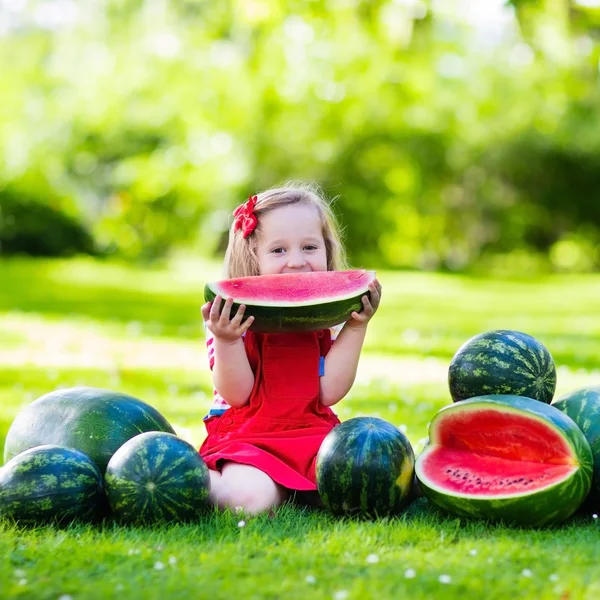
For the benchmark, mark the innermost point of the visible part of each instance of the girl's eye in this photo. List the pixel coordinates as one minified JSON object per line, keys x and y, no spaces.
{"x":277,"y":250}
{"x":310,"y":247}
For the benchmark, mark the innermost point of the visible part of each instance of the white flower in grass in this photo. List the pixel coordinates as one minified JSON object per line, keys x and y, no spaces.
{"x":594,"y":516}
{"x":372,"y":559}
{"x":65,"y":597}
{"x":410,"y":574}
{"x":445,"y":579}
{"x":526,"y":573}
{"x":340,"y":595}
{"x":159,"y":566}
{"x":310,"y":579}
{"x":19,"y":573}
{"x":119,"y":587}
{"x":553,"y":577}
{"x":172,"y":560}
{"x":473,"y":552}
{"x":159,"y":548}
{"x":242,"y":524}
{"x":23,"y":581}
{"x":239,"y":509}
{"x":490,"y":560}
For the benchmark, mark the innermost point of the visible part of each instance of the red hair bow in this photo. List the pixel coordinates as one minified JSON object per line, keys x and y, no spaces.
{"x":245,"y":219}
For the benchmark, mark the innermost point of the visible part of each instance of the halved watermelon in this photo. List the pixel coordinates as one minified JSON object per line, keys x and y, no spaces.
{"x":505,"y":458}
{"x":291,"y":302}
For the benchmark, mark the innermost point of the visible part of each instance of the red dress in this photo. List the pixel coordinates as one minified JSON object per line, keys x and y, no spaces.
{"x":281,"y":428}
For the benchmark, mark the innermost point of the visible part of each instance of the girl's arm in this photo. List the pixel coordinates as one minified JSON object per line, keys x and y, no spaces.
{"x":232,"y":375}
{"x":341,"y":361}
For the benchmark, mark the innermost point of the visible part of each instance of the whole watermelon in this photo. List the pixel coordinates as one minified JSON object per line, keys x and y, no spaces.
{"x":583,"y":406}
{"x":94,"y":421}
{"x":502,"y":362}
{"x":365,"y":466}
{"x":51,"y":483}
{"x":157,"y":477}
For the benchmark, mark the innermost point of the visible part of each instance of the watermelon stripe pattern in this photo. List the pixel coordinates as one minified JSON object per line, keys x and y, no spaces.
{"x":365,"y":466}
{"x":289,"y":303}
{"x":583,"y":406}
{"x":157,"y":477}
{"x":502,"y":362}
{"x":537,"y":507}
{"x":51,"y":483}
{"x":92,"y":420}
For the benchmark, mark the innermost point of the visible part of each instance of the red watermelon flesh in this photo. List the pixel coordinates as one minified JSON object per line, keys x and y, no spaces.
{"x":294,"y":289}
{"x":497,"y":454}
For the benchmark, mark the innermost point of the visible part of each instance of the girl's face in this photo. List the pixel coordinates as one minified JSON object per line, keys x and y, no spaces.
{"x":291,"y":241}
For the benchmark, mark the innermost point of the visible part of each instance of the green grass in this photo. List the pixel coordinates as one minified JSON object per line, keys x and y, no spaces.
{"x":65,"y":323}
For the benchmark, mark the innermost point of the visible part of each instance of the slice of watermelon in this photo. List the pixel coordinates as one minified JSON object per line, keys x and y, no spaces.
{"x":507,"y":458}
{"x":295,"y":301}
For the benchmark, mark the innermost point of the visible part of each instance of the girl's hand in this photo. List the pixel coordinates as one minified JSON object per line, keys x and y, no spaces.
{"x":360,"y":320}
{"x":219,"y":323}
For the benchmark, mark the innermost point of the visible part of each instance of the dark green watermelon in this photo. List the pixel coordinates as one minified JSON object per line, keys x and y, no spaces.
{"x":502,"y":362}
{"x":583,"y":406}
{"x":51,"y":483}
{"x":95,"y":421}
{"x":365,"y":466}
{"x":157,"y":477}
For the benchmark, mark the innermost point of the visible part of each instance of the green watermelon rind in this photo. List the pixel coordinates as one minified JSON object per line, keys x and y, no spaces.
{"x":174,"y":469}
{"x":51,"y":483}
{"x":308,"y":316}
{"x":94,"y":421}
{"x":583,"y":407}
{"x":378,"y":481}
{"x":495,"y":362}
{"x":543,"y":506}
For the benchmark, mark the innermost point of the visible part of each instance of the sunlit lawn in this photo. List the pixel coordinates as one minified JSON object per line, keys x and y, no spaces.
{"x":77,"y":322}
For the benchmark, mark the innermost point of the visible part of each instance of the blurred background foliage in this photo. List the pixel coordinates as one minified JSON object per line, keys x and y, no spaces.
{"x":454,"y":134}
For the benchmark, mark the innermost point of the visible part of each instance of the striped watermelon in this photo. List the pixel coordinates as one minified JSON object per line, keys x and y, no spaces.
{"x":95,"y":421}
{"x":51,"y":483}
{"x":583,"y":406}
{"x":505,"y":458}
{"x":502,"y":362}
{"x":291,"y":302}
{"x":157,"y":477}
{"x":365,"y":466}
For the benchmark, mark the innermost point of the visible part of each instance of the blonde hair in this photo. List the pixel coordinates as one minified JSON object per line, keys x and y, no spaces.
{"x":240,"y":257}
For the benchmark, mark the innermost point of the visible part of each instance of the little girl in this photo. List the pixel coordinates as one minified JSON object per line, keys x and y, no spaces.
{"x":272,"y":404}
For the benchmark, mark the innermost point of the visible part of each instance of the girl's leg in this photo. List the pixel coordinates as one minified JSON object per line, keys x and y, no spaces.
{"x":245,"y":486}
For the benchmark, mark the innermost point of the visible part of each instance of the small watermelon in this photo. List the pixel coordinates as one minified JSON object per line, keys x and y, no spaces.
{"x":502,"y":362}
{"x":157,"y":477}
{"x":505,"y":458}
{"x":583,"y":406}
{"x":291,"y":302}
{"x":51,"y":483}
{"x":365,"y":466}
{"x":95,"y":421}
